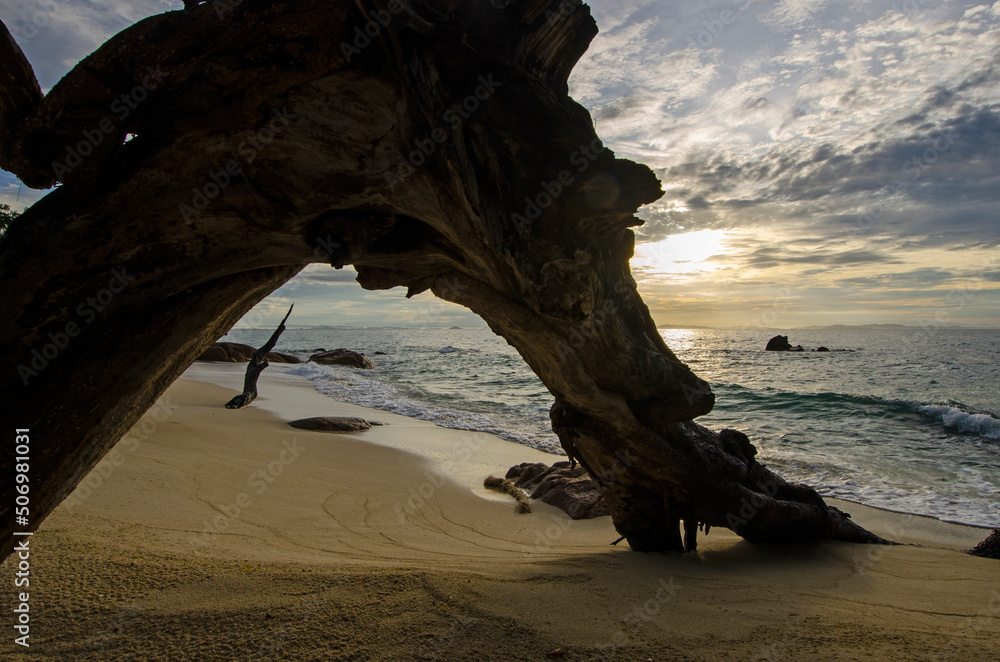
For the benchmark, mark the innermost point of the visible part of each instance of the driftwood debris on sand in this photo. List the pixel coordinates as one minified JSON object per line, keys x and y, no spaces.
{"x":504,"y":486}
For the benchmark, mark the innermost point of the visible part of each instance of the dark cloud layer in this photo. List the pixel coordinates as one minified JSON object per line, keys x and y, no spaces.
{"x":841,"y":155}
{"x":779,"y":134}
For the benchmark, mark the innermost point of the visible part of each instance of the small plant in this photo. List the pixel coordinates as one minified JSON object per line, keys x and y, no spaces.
{"x":7,"y":216}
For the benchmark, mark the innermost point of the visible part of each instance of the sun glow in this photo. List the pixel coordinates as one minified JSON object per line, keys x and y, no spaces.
{"x":685,"y":253}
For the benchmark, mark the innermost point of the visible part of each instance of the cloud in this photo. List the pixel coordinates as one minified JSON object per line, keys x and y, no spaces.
{"x":56,"y":34}
{"x":322,"y":273}
{"x":777,"y":255}
{"x":874,"y":122}
{"x":848,"y":152}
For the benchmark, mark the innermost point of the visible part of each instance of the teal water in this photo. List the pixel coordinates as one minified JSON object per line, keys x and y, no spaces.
{"x":906,"y":421}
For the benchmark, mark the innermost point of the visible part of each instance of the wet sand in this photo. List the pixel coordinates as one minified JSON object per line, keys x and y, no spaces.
{"x":213,"y":534}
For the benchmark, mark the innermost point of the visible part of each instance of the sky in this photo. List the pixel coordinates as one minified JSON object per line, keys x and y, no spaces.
{"x":823,"y":161}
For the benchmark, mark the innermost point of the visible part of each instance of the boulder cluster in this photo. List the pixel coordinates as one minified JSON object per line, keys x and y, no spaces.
{"x":781,"y":344}
{"x":233,"y":352}
{"x":561,"y":485}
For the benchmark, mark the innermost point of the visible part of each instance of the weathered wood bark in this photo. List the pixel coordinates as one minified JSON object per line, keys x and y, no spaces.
{"x":255,"y":366}
{"x":21,"y":97}
{"x":439,"y":151}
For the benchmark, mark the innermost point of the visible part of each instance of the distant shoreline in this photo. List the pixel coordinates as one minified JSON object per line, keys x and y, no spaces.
{"x":661,"y":327}
{"x":833,"y":327}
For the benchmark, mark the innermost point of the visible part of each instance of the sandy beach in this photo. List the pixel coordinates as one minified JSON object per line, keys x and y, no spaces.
{"x":212,"y":534}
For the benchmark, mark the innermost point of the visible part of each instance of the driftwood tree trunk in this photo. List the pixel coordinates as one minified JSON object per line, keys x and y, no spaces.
{"x":256,"y":366}
{"x":432,"y":147}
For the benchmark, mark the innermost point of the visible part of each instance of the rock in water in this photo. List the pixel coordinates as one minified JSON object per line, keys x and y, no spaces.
{"x":217,"y":354}
{"x":282,"y":357}
{"x":231,"y":352}
{"x":343,"y":357}
{"x":989,"y":548}
{"x":333,"y":424}
{"x":778,"y":344}
{"x":235,"y":352}
{"x":570,"y":490}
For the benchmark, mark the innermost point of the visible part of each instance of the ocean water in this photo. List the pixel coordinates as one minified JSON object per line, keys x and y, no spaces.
{"x":903,"y":419}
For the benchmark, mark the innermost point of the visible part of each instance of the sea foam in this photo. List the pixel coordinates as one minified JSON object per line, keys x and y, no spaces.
{"x":983,"y":425}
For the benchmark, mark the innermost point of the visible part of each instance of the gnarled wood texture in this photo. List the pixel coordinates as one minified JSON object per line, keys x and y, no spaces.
{"x":206,"y":159}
